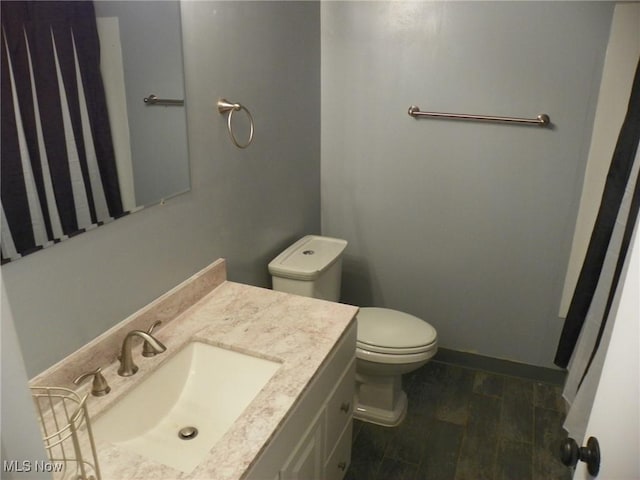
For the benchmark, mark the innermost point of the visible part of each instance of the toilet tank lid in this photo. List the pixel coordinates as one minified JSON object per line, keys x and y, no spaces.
{"x":307,"y":258}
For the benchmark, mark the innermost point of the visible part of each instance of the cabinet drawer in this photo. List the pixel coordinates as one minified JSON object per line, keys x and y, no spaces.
{"x":340,"y":406}
{"x":340,"y":458}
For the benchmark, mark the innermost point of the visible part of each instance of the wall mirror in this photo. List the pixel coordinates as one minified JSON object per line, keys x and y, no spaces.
{"x":80,"y":145}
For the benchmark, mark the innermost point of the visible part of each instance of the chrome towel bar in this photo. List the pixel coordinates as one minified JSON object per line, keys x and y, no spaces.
{"x":541,"y":120}
{"x":154,"y":100}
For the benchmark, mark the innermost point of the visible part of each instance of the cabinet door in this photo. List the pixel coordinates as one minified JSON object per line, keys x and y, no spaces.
{"x":306,"y":462}
{"x":340,"y":458}
{"x":340,"y":406}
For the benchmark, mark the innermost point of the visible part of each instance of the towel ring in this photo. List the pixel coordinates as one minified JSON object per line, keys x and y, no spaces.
{"x":224,"y":106}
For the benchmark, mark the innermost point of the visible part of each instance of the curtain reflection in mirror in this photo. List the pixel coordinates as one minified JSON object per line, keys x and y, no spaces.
{"x":58,"y":172}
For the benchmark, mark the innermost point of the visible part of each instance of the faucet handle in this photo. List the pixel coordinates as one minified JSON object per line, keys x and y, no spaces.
{"x":99,"y":387}
{"x":147,"y":349}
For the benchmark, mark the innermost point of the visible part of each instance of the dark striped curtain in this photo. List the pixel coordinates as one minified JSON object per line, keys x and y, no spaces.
{"x":609,"y":241}
{"x":58,"y":175}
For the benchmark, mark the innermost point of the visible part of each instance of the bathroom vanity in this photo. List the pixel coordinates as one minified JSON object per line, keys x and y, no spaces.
{"x":297,"y":426}
{"x":315,"y":441}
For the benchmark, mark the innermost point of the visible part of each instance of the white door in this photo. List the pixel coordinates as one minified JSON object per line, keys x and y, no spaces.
{"x":615,"y":417}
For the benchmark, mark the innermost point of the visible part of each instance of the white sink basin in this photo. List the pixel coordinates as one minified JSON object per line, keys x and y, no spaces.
{"x":201,"y":386}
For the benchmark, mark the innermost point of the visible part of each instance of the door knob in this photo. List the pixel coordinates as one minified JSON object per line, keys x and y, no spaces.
{"x":570,"y":453}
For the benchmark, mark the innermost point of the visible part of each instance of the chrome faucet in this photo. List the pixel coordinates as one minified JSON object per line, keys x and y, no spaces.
{"x":127,"y":367}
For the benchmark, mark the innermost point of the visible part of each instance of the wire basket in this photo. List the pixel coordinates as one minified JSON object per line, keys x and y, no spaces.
{"x":64,"y":420}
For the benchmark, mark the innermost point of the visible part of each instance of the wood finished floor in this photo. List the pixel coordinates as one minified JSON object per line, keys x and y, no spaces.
{"x":466,"y":424}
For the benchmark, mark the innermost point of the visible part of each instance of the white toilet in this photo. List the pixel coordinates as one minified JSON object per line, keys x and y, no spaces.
{"x":390,"y":343}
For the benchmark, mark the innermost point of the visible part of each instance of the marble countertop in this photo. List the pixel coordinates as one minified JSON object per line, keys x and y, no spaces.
{"x":299,"y":332}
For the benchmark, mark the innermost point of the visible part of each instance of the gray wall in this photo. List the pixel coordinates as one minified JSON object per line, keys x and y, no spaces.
{"x":245,"y":205}
{"x":466,"y":225}
{"x":20,"y":438}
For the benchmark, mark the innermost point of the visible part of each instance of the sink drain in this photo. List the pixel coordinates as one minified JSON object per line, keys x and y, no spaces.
{"x":188,"y":433}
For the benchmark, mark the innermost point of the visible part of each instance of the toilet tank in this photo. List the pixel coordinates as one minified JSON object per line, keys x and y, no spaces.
{"x":311,"y":267}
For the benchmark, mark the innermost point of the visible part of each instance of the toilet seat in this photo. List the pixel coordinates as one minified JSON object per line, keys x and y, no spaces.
{"x":393,"y":337}
{"x":395,"y":351}
{"x":383,"y":330}
{"x":392,"y":359}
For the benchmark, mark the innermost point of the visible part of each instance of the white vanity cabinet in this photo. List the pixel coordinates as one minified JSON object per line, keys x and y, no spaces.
{"x":314,"y":443}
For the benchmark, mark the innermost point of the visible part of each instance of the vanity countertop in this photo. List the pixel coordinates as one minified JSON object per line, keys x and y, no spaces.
{"x":299,"y":332}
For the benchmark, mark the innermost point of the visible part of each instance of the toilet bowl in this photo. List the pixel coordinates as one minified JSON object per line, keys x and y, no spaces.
{"x":389,"y":344}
